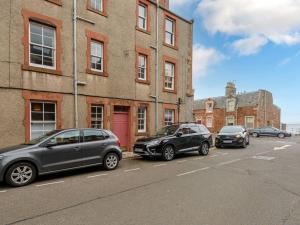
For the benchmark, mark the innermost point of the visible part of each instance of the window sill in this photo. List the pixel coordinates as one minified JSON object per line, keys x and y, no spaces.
{"x":143,"y":31}
{"x":170,"y":91}
{"x":142,"y":81}
{"x":103,"y":74}
{"x":142,"y":134}
{"x":56,"y":2}
{"x":41,"y":70}
{"x":101,"y":13}
{"x":171,"y":46}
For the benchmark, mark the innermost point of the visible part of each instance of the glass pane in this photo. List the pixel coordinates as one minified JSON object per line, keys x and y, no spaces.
{"x":48,"y":31}
{"x":49,"y":116}
{"x":48,"y":52}
{"x":36,"y":134}
{"x":49,"y":127}
{"x":49,"y":107}
{"x":69,"y":137}
{"x":36,"y":28}
{"x":36,"y":59}
{"x":169,"y":26}
{"x":48,"y":61}
{"x":36,"y":107}
{"x":35,"y":49}
{"x":142,"y":11}
{"x":48,"y":41}
{"x":92,"y":135}
{"x":96,"y":49}
{"x":37,"y":127}
{"x":36,"y":116}
{"x":36,"y":38}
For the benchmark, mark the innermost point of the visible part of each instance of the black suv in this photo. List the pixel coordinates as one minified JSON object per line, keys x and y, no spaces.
{"x":175,"y":139}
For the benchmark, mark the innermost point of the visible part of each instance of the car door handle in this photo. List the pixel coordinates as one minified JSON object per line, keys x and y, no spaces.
{"x":76,"y":148}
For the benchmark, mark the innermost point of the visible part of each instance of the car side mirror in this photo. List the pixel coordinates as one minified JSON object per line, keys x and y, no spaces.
{"x":179,"y":134}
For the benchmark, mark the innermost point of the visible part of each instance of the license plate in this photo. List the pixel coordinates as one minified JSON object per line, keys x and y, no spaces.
{"x":227,"y":142}
{"x":138,"y":150}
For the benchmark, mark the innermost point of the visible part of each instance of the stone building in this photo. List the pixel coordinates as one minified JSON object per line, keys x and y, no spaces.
{"x":252,"y":110}
{"x":108,"y":79}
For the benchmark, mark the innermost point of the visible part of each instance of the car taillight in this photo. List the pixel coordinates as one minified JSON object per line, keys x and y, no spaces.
{"x":118,"y":143}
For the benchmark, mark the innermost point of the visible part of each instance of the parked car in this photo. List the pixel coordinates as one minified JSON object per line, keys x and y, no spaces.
{"x":232,"y":136}
{"x":57,"y":151}
{"x":175,"y":139}
{"x":270,"y":132}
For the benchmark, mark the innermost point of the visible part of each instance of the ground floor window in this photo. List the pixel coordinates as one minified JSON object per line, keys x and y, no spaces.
{"x":142,"y":119}
{"x":169,"y":117}
{"x":209,"y":121}
{"x":97,"y":116}
{"x":42,"y":118}
{"x":230,"y":121}
{"x":249,"y":122}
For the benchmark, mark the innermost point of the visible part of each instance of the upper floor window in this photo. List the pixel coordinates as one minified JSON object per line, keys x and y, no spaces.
{"x":42,"y":45}
{"x":169,"y":117}
{"x":169,"y":76}
{"x":209,"y":107}
{"x":97,"y":56}
{"x":230,"y":107}
{"x":97,"y":116}
{"x":142,"y":119}
{"x":230,"y":121}
{"x":170,"y":31}
{"x":42,"y":118}
{"x":97,"y":5}
{"x":142,"y":73}
{"x":142,"y":16}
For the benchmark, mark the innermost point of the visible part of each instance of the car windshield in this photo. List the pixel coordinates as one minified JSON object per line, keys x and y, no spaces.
{"x":168,"y":130}
{"x":231,"y":130}
{"x":42,"y":138}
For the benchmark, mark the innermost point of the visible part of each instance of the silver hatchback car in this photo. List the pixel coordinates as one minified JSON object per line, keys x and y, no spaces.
{"x":57,"y":151}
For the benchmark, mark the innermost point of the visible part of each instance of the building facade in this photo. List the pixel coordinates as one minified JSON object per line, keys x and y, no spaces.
{"x":252,"y":110}
{"x":109,"y":79}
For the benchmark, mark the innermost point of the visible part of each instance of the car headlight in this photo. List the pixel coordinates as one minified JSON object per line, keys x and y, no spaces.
{"x":238,"y":136}
{"x":1,"y":157}
{"x":153,"y":143}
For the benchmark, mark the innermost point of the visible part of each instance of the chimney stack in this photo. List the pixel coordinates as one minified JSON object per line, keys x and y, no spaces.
{"x":164,"y":3}
{"x":230,"y":89}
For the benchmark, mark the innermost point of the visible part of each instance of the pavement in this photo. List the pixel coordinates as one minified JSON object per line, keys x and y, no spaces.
{"x":258,"y":185}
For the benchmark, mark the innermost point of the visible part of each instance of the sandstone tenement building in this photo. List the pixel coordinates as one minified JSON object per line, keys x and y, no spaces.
{"x":126,"y":70}
{"x":252,"y":110}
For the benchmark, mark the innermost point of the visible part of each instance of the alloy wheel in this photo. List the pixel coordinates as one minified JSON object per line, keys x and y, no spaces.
{"x":204,"y":149}
{"x":169,"y":153}
{"x":21,"y":175}
{"x":111,"y":161}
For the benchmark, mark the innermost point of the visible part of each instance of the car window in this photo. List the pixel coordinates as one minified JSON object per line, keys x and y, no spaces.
{"x":185,"y":130}
{"x":203,"y":129}
{"x":195,"y":129}
{"x":69,"y":137}
{"x":93,"y":135}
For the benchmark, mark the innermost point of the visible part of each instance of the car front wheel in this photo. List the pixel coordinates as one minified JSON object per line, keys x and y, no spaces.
{"x":204,"y":149}
{"x":255,"y":135}
{"x":20,"y":174}
{"x":111,"y":161}
{"x":168,"y":153}
{"x":281,"y":135}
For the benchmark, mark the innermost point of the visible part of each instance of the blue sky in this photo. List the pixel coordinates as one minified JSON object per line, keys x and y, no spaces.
{"x":234,"y":45}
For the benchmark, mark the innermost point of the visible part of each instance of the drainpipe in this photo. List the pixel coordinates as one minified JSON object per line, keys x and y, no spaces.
{"x":75,"y":63}
{"x":156,"y":67}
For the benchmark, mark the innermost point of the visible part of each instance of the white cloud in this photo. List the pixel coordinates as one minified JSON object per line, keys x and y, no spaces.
{"x":254,"y":21}
{"x":203,"y":58}
{"x":249,"y":46}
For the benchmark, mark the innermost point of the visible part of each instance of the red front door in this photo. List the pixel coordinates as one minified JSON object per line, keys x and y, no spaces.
{"x":121,"y":127}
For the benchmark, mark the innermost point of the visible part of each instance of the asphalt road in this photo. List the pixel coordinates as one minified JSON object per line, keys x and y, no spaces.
{"x":259,"y":185}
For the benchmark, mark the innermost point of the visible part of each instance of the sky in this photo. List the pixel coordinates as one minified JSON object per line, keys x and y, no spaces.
{"x":254,"y":43}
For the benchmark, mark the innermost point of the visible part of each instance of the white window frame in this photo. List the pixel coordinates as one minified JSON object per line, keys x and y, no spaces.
{"x":42,"y":46}
{"x":209,"y":109}
{"x":43,"y":122}
{"x":142,"y":67}
{"x":170,"y":112}
{"x":144,"y":18}
{"x":252,"y":117}
{"x":172,"y":33}
{"x":102,"y":115}
{"x":142,"y":120}
{"x":230,"y":118}
{"x":172,"y":76}
{"x":94,"y":3}
{"x":229,"y":107}
{"x":210,"y":125}
{"x":100,"y":56}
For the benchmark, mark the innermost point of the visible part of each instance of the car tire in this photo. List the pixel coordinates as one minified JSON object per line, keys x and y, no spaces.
{"x":111,"y":161}
{"x":281,"y":135}
{"x":204,"y":149}
{"x":168,"y":153}
{"x":255,"y":135}
{"x":20,"y":174}
{"x":248,"y":141}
